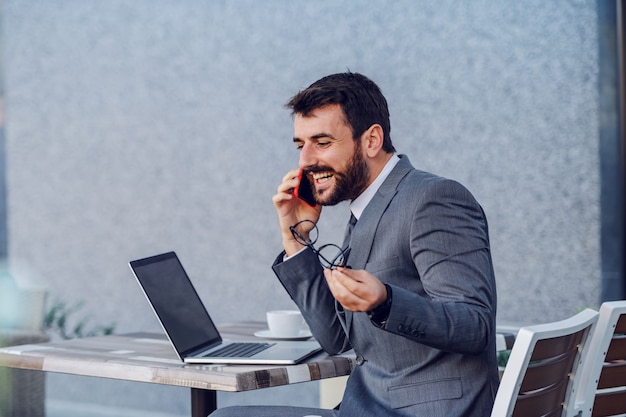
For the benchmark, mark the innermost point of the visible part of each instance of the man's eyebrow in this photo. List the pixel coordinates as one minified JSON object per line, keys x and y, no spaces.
{"x":318,"y":136}
{"x":322,"y":135}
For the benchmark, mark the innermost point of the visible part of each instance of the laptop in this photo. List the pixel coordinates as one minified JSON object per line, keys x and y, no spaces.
{"x":189,"y":327}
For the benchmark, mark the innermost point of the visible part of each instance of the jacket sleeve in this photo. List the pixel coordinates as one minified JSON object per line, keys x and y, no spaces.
{"x":303,"y":278}
{"x":451,"y":252}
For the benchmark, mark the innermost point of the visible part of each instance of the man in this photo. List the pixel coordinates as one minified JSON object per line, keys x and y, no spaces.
{"x":417,"y":300}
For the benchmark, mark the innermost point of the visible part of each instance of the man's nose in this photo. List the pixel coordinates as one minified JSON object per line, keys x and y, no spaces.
{"x":308,"y":156}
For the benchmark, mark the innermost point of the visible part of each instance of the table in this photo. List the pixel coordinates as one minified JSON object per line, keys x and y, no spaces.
{"x":149,"y":357}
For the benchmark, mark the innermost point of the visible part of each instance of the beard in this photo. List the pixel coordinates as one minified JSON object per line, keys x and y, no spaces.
{"x":349,"y":184}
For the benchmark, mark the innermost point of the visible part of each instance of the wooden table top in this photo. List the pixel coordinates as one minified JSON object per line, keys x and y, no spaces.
{"x":149,"y":357}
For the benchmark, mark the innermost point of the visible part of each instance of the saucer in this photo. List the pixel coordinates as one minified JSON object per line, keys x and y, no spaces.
{"x":266,"y":334}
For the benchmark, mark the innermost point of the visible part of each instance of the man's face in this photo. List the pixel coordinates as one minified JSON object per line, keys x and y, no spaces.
{"x":333,"y":161}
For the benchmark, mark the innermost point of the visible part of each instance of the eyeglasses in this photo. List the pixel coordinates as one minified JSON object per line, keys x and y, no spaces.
{"x":330,"y":255}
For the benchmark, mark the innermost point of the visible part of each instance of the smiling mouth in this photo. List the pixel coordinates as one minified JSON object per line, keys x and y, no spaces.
{"x":322,"y":177}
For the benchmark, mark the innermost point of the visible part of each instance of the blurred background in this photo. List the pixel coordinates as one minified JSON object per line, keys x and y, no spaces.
{"x":133,"y":128}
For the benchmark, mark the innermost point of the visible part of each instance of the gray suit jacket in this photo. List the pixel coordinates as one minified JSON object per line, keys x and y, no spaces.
{"x":426,"y":237}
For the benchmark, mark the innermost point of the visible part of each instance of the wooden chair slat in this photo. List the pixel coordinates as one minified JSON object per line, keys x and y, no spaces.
{"x":613,"y":375}
{"x":621,"y":325}
{"x":609,"y":404}
{"x":549,"y":348}
{"x":548,"y":372}
{"x":617,"y":349}
{"x":541,"y":402}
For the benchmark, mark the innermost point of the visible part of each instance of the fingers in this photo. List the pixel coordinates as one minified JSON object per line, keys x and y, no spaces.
{"x":285,"y":188}
{"x":281,"y":197}
{"x":355,"y":290}
{"x":289,"y":182}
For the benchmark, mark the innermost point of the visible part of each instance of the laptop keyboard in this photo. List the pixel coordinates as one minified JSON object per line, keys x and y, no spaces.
{"x":240,"y":350}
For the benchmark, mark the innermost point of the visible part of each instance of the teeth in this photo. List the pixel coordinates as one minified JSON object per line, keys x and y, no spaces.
{"x":322,"y":175}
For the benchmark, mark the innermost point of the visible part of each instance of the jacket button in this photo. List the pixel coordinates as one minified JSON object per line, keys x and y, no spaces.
{"x":360,"y":360}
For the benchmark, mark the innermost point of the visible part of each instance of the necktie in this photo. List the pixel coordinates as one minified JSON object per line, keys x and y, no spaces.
{"x":348,"y":234}
{"x":347,"y":237}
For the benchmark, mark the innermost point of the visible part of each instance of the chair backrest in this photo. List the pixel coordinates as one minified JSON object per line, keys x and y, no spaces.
{"x":541,"y":375}
{"x":602,"y":391}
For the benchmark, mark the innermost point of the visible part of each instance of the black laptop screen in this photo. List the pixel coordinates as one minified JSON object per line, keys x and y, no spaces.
{"x":175,"y":302}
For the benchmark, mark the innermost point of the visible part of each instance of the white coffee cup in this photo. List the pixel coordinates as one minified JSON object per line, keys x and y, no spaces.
{"x":285,"y":323}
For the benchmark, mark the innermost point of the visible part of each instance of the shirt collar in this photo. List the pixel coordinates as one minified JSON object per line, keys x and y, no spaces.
{"x":358,"y":204}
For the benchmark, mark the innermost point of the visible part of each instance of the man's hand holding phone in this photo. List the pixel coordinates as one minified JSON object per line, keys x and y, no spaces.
{"x":292,"y":208}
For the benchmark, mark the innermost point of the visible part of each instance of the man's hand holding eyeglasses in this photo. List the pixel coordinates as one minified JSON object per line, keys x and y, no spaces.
{"x":356,"y":290}
{"x":291,"y":210}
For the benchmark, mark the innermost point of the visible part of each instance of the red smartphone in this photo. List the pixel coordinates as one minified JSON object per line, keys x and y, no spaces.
{"x":304,"y":190}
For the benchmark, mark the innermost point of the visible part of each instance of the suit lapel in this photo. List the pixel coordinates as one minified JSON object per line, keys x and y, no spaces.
{"x":365,"y":229}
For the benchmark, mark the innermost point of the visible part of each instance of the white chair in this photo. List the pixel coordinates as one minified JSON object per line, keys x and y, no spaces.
{"x":602,"y":390}
{"x":541,"y":376}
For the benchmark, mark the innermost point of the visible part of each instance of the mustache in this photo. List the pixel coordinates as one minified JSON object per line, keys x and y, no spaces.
{"x":318,"y":168}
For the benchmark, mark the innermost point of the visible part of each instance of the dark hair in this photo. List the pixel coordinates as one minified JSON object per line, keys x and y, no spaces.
{"x":361,"y":100}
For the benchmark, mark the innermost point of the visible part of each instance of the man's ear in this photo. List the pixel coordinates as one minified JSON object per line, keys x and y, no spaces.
{"x":373,"y":140}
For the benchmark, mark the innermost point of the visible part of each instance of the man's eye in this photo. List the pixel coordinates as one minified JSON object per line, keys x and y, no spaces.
{"x":323,"y":144}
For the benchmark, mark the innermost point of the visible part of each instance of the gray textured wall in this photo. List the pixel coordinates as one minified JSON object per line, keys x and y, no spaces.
{"x":136,"y":127}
